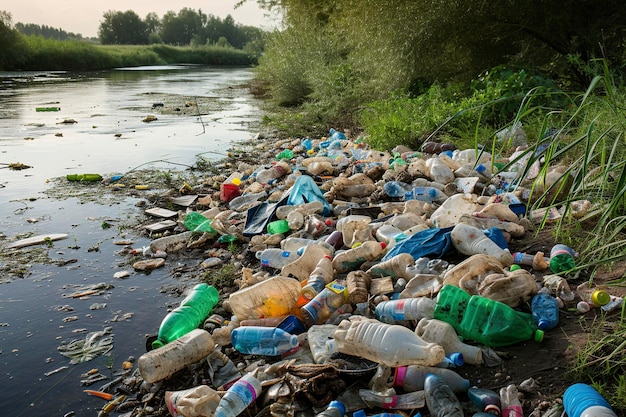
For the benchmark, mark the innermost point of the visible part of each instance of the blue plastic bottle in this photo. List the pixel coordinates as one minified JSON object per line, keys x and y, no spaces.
{"x":334,"y":409}
{"x":257,"y":340}
{"x":485,"y":399}
{"x":545,"y":311}
{"x":396,"y":189}
{"x":427,"y":194}
{"x":582,"y":400}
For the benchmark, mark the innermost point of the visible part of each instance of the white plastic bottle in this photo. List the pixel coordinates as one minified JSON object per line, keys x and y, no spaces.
{"x":239,"y":396}
{"x":165,"y":361}
{"x":470,"y":240}
{"x":390,"y":345}
{"x":393,"y":311}
{"x":442,"y":333}
{"x":276,"y":258}
{"x":280,"y":169}
{"x":353,"y":258}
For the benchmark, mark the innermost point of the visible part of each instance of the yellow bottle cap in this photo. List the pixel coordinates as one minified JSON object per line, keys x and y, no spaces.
{"x":600,"y":297}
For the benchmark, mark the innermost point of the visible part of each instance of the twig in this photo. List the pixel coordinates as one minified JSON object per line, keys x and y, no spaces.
{"x":200,"y":118}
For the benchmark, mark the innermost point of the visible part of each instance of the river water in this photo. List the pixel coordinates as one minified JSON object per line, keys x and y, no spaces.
{"x":210,"y":110}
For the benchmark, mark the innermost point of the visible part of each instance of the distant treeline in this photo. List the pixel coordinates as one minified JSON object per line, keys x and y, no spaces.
{"x":32,"y":29}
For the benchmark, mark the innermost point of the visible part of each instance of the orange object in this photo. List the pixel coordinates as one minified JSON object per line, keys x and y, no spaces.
{"x":100,"y":394}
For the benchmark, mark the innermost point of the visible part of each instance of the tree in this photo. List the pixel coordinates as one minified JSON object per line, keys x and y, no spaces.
{"x":11,"y":41}
{"x":179,"y":29}
{"x":123,"y":28}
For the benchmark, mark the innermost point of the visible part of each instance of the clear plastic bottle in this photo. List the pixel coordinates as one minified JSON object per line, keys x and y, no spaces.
{"x":393,"y":311}
{"x":190,"y":314}
{"x":411,"y":378}
{"x":485,"y":399}
{"x":396,"y":189}
{"x":322,"y":275}
{"x":582,"y":400}
{"x":354,"y":258}
{"x":387,"y":344}
{"x":334,"y":409}
{"x":298,"y":244}
{"x":398,"y":266}
{"x":246,"y":200}
{"x":483,"y":320}
{"x":165,"y":361}
{"x":258,"y":340}
{"x":545,"y":310}
{"x":275,"y":296}
{"x":470,"y":240}
{"x":440,"y":399}
{"x":324,"y":304}
{"x":391,"y":401}
{"x":439,"y":171}
{"x":442,"y":333}
{"x":511,"y":405}
{"x":427,"y":194}
{"x":278,"y":170}
{"x":276,"y":258}
{"x":537,"y":261}
{"x":239,"y":396}
{"x":172,"y":243}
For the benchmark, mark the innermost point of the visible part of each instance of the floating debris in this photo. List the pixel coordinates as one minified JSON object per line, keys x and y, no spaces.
{"x":54,"y":371}
{"x":94,"y":344}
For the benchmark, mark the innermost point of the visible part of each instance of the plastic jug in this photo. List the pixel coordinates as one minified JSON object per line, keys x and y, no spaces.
{"x":275,"y":296}
{"x":450,"y":212}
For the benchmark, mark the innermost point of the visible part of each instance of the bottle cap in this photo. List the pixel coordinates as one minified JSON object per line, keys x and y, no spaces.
{"x":492,"y":409}
{"x":600,"y":297}
{"x":338,"y":405}
{"x":456,"y":358}
{"x":539,"y":336}
{"x":543,"y":324}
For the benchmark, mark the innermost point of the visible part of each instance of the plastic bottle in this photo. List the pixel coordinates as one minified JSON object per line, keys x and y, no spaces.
{"x":427,"y":194}
{"x":324,"y":304}
{"x":398,"y":266}
{"x":470,"y":240}
{"x":165,"y":361}
{"x":276,"y":258}
{"x":485,"y":399}
{"x":334,"y":409}
{"x":402,"y":309}
{"x":396,"y":189}
{"x":440,"y":400}
{"x":353,"y":258}
{"x":483,"y":320}
{"x":358,"y":286}
{"x":189,"y":315}
{"x":335,"y":239}
{"x":172,"y":243}
{"x":387,"y":344}
{"x":591,"y":297}
{"x":258,"y":340}
{"x":439,"y":171}
{"x":411,"y":378}
{"x":84,"y":177}
{"x":280,"y":169}
{"x":582,"y":400}
{"x":511,"y":405}
{"x":239,"y":396}
{"x":196,"y":222}
{"x":246,"y":200}
{"x":562,"y":259}
{"x":275,"y":296}
{"x":392,"y":401}
{"x":442,"y":333}
{"x":297,"y":244}
{"x":387,"y":233}
{"x":538,"y":262}
{"x":322,"y":275}
{"x":545,"y":310}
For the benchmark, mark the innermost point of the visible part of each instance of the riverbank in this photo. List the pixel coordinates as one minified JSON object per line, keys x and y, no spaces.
{"x":541,"y":371}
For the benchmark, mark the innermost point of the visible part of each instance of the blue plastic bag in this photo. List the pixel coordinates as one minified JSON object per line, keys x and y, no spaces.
{"x":304,"y":191}
{"x":427,"y":243}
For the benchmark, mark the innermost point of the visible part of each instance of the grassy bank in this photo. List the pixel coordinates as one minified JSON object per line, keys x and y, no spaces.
{"x":38,"y":53}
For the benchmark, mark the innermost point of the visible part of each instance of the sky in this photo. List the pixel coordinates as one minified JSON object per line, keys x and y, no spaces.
{"x":84,"y":17}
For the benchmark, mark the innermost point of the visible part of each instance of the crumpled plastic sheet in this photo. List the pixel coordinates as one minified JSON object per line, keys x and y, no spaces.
{"x":84,"y":350}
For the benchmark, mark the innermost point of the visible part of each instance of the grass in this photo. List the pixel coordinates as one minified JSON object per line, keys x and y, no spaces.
{"x":223,"y":277}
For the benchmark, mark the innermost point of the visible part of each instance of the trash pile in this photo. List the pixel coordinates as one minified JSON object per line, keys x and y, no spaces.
{"x":371,"y":278}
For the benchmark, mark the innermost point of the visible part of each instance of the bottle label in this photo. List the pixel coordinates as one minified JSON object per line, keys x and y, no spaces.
{"x":245,"y":390}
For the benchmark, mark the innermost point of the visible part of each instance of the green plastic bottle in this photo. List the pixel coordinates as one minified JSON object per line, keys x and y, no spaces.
{"x":84,"y":177}
{"x":483,"y":320}
{"x":192,"y":311}
{"x":562,"y":259}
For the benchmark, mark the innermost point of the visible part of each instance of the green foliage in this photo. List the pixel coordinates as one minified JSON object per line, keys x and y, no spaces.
{"x":11,"y":41}
{"x":123,"y":28}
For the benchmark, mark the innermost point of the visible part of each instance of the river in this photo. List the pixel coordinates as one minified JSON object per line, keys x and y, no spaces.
{"x":99,"y":128}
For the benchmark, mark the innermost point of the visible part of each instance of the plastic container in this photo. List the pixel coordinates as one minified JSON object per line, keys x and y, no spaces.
{"x":470,"y":240}
{"x":228,"y":191}
{"x":322,"y":275}
{"x":537,"y":261}
{"x":439,"y":171}
{"x":545,"y":310}
{"x":391,"y":401}
{"x":562,"y":259}
{"x":324,"y":304}
{"x":165,"y":361}
{"x":239,"y":396}
{"x":276,"y":171}
{"x":387,"y":344}
{"x":440,"y":399}
{"x":278,"y":227}
{"x":387,"y":233}
{"x":193,"y":309}
{"x":592,"y":295}
{"x":582,"y":400}
{"x":196,"y":222}
{"x":258,"y":340}
{"x":358,"y":285}
{"x":511,"y":405}
{"x":442,"y":333}
{"x":273,"y":297}
{"x":172,"y":243}
{"x":398,"y":266}
{"x":246,"y":200}
{"x":313,"y":207}
{"x":303,"y":267}
{"x":485,"y":399}
{"x":427,"y":194}
{"x":197,"y":401}
{"x":84,"y":177}
{"x":412,"y":378}
{"x":354,"y":258}
{"x":334,"y":409}
{"x":396,"y":189}
{"x":276,"y":258}
{"x":403,"y":309}
{"x":298,"y":244}
{"x":450,"y":212}
{"x":483,"y":320}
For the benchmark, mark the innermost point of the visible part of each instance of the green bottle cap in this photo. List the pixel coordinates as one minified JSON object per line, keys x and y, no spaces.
{"x":514,"y":267}
{"x":539,"y":336}
{"x":600,"y":297}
